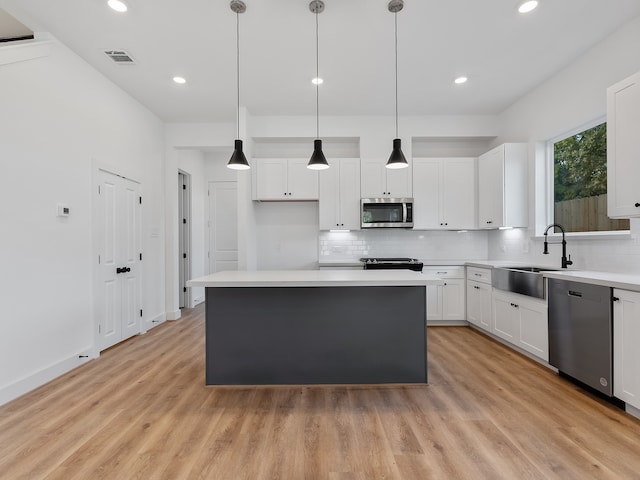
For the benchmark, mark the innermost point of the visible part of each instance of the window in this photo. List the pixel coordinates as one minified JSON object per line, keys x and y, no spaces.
{"x":580,"y":182}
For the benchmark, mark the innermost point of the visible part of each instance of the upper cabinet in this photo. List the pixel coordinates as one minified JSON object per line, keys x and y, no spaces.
{"x":623,"y":150}
{"x":285,"y":179}
{"x":379,"y":181}
{"x":502,"y":187}
{"x":444,"y":193}
{"x":339,"y":205}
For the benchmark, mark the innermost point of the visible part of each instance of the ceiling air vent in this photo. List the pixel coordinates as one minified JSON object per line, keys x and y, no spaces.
{"x":120,"y":57}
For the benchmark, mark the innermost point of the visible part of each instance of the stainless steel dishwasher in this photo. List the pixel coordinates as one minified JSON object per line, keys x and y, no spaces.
{"x":580,"y":332}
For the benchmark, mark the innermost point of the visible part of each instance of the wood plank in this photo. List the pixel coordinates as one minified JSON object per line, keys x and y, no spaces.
{"x":142,"y":410}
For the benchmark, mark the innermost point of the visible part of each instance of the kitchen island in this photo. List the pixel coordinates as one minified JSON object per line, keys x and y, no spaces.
{"x":315,"y":327}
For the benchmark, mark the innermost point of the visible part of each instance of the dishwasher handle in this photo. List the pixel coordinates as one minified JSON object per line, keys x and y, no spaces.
{"x":573,"y":293}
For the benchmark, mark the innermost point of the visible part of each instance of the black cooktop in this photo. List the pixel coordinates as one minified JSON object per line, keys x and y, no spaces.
{"x":382,"y":263}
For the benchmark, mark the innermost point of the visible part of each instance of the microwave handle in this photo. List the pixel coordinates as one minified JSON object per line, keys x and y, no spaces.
{"x":404,"y":212}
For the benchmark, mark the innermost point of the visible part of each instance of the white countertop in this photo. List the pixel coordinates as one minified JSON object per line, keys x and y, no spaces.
{"x":615,"y":280}
{"x":315,"y":278}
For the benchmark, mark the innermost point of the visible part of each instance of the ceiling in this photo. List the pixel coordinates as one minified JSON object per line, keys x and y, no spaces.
{"x":505,"y":54}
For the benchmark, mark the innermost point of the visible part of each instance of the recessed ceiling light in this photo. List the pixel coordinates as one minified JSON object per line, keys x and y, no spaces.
{"x":460,"y":80}
{"x":317,"y":81}
{"x":527,"y":6}
{"x":117,"y":5}
{"x":179,"y":80}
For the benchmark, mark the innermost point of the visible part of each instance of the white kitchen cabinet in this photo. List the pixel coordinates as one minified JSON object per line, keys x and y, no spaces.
{"x":522,"y":321}
{"x":479,"y":297}
{"x":285,"y":179}
{"x":623,"y":151}
{"x":377,"y":181}
{"x":446,"y":304}
{"x":339,"y":199}
{"x":444,"y":193}
{"x":502,"y":187}
{"x":626,"y":342}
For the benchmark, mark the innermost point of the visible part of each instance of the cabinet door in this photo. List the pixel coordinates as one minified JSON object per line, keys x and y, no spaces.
{"x":453,"y":299}
{"x":302,"y":181}
{"x":505,"y":317}
{"x":626,"y":354}
{"x":374,"y":178}
{"x":271,"y":179}
{"x":399,"y":183}
{"x":349,"y":205}
{"x":329,"y":196}
{"x":491,"y":188}
{"x":479,"y":308}
{"x":534,"y":328}
{"x":434,"y":302}
{"x":623,"y":153}
{"x":426,"y":193}
{"x":458,"y":193}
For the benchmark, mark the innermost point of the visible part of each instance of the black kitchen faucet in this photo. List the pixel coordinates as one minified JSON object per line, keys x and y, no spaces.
{"x":565,"y":261}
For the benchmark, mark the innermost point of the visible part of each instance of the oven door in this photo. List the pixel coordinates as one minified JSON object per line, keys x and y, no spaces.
{"x":386,"y":212}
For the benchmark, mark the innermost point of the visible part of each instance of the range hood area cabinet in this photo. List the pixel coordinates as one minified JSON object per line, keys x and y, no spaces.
{"x":623,"y":150}
{"x":444,"y":193}
{"x":377,"y":181}
{"x":339,"y":203}
{"x":285,"y":179}
{"x":502,"y":187}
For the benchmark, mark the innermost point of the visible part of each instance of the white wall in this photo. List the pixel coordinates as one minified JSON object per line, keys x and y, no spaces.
{"x":192,"y":162}
{"x":60,"y":119}
{"x":573,"y":97}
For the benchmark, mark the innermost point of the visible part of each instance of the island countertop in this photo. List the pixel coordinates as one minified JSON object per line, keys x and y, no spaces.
{"x":315,"y":278}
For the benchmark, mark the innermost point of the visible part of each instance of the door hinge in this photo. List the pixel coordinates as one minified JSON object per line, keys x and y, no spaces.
{"x":140,"y":198}
{"x":140,"y":312}
{"x":184,"y":220}
{"x":184,"y":255}
{"x":184,"y":187}
{"x":99,"y":328}
{"x":99,"y":192}
{"x":184,"y":289}
{"x":99,"y":260}
{"x":141,"y":257}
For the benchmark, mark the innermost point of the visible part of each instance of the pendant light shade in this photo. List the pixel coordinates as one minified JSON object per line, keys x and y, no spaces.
{"x":397,"y":159}
{"x":238,"y":161}
{"x":317,"y":160}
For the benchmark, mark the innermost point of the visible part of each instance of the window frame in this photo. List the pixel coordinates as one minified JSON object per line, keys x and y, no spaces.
{"x":550,"y":183}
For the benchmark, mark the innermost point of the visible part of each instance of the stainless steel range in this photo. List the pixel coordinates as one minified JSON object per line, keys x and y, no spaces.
{"x":381,"y":263}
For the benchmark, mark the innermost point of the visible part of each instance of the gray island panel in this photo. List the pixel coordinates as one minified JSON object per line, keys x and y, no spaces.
{"x":316,"y":335}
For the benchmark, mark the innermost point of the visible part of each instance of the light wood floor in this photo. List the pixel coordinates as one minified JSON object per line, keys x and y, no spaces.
{"x":142,"y":411}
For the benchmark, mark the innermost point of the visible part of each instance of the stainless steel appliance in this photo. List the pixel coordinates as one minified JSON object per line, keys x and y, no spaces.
{"x":386,"y":212}
{"x":392,"y":264}
{"x":580,"y":332}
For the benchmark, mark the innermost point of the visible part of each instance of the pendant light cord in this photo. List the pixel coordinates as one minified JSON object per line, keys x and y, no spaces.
{"x":395,"y":18}
{"x":317,"y":80}
{"x":238,"y":73}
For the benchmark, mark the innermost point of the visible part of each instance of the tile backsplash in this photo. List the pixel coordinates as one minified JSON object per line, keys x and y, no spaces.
{"x":424,"y":245}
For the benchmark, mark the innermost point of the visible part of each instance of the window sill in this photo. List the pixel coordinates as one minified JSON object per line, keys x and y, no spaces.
{"x":611,"y":235}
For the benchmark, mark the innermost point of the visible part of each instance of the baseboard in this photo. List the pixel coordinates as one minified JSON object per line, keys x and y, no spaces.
{"x":197,"y":301}
{"x":25,"y":385}
{"x":631,"y":410}
{"x":175,"y":315}
{"x":447,"y":323}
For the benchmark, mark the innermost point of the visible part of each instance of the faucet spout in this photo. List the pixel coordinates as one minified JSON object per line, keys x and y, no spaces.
{"x":565,"y":261}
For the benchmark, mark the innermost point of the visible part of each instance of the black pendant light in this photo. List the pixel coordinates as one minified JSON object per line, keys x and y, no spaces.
{"x":396,"y":160}
{"x":317,"y":160}
{"x":238,"y":161}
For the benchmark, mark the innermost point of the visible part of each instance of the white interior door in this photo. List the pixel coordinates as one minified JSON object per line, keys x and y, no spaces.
{"x":118,"y":283}
{"x":223,"y":226}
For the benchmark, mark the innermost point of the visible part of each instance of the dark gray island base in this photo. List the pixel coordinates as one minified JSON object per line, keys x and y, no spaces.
{"x":316,"y":335}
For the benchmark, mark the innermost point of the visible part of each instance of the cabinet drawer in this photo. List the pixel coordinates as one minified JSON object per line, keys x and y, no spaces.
{"x":444,"y":271}
{"x":482,"y":275}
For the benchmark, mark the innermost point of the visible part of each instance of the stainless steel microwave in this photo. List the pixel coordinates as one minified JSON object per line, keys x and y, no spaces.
{"x":386,"y":213}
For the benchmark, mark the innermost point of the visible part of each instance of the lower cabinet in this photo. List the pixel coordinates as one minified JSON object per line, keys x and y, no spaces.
{"x":521,"y":321}
{"x":446,"y":304}
{"x":479,"y":304}
{"x":626,"y":342}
